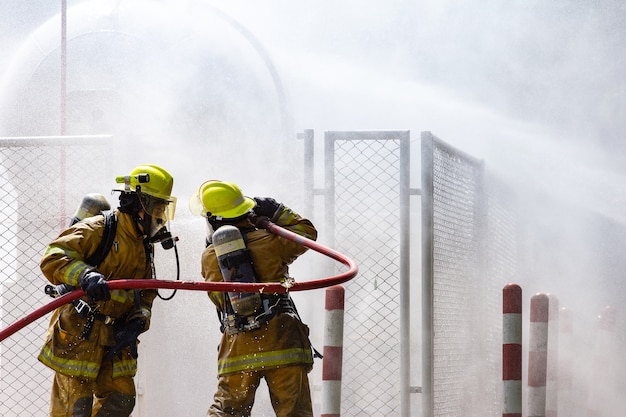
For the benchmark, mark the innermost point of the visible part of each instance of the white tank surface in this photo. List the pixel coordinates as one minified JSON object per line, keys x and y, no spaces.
{"x":143,"y":69}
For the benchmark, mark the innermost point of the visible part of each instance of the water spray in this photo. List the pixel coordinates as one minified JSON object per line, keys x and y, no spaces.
{"x":268,"y":287}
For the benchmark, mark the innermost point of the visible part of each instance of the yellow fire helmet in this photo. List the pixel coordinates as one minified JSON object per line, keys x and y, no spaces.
{"x":220,"y":199}
{"x":154,"y":186}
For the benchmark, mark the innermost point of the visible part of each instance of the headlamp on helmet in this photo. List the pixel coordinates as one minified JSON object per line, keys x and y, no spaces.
{"x":153,"y":186}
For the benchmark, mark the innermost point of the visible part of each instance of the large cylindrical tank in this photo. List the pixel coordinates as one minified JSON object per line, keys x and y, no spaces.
{"x":147,"y":72}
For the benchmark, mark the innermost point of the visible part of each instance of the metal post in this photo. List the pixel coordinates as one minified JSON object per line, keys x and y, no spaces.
{"x":329,"y":187}
{"x":63,"y":66}
{"x":405,"y":278}
{"x":63,"y":111}
{"x":309,"y":179}
{"x":427,"y":275}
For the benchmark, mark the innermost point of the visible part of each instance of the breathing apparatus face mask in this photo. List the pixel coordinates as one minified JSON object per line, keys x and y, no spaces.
{"x":164,"y":236}
{"x":157,"y":213}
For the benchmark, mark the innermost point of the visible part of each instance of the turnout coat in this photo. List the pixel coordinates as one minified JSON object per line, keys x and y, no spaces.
{"x":63,"y":262}
{"x":283,"y":340}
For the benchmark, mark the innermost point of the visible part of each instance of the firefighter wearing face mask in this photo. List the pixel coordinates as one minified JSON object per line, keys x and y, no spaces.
{"x":263,"y":336}
{"x":94,"y":352}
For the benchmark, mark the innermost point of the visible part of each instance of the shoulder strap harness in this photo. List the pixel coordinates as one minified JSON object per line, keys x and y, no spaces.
{"x":108,"y":236}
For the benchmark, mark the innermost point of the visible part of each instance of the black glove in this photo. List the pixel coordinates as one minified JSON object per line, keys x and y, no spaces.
{"x":95,"y":286}
{"x":126,"y":335}
{"x":266,"y":206}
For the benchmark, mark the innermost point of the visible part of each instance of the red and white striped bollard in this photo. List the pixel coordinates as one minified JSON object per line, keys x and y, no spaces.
{"x":512,"y":350}
{"x":333,"y":352}
{"x":538,"y":355}
{"x":552,"y":371}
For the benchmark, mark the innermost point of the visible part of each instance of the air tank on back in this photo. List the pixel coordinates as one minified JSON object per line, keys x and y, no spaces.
{"x":236,"y":265}
{"x":90,"y":205}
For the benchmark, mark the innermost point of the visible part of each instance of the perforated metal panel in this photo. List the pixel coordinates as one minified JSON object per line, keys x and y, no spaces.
{"x":461,"y":316}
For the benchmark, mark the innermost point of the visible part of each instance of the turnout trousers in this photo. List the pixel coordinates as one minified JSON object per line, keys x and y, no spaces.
{"x":101,"y":397}
{"x":288,"y":388}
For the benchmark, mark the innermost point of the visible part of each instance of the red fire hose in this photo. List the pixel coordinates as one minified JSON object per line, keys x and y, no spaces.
{"x":273,"y":287}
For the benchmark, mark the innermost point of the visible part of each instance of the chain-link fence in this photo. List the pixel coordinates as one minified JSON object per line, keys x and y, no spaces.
{"x":366,"y":200}
{"x":372,"y":345}
{"x":42,"y":181}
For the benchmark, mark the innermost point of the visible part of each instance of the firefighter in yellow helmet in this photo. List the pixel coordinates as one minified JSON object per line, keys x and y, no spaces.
{"x":93,"y":349}
{"x":263,"y":336}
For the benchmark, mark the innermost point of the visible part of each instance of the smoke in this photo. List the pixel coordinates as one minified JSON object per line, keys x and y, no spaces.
{"x":535,"y":89}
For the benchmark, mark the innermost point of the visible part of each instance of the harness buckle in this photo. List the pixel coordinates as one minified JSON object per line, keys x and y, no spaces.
{"x":82,"y":308}
{"x":235,"y":323}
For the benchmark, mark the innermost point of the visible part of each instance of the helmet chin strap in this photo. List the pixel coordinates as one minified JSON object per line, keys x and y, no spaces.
{"x":149,"y":226}
{"x":142,"y":221}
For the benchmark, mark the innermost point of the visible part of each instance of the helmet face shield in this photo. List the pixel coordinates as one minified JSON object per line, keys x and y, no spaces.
{"x":195,"y":204}
{"x":158,"y":208}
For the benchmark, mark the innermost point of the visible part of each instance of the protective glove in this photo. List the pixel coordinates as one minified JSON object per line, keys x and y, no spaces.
{"x":266,"y":206}
{"x":95,"y":286}
{"x":126,"y":335}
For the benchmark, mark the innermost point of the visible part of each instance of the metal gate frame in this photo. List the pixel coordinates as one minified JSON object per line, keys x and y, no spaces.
{"x":472,"y":241}
{"x":405,"y":191}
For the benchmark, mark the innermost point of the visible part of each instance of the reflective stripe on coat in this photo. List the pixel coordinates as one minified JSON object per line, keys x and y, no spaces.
{"x":283,"y":341}
{"x":63,"y":263}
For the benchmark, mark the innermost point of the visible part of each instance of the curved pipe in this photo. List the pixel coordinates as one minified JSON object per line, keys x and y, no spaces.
{"x":270,"y":287}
